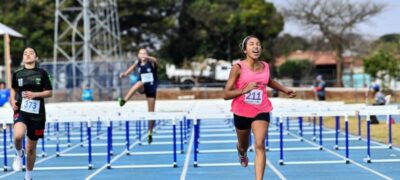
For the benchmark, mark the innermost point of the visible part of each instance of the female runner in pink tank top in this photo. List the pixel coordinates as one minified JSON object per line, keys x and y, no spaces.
{"x":247,"y":86}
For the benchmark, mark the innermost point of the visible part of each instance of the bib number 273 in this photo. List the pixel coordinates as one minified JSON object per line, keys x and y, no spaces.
{"x":253,"y":97}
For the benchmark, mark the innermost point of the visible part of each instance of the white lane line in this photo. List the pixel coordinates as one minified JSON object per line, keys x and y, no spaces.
{"x":52,"y":156}
{"x":340,"y":156}
{"x":275,"y":170}
{"x":115,"y":158}
{"x":45,"y":159}
{"x":186,"y":165}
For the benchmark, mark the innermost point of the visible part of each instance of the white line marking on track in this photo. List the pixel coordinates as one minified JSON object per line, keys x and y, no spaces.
{"x":351,"y":161}
{"x":275,"y":170}
{"x":187,"y":159}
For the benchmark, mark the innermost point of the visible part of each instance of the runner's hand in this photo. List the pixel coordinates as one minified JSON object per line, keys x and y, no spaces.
{"x":291,"y":93}
{"x":14,"y":106}
{"x":28,"y":94}
{"x":122,"y":75}
{"x":249,"y":87}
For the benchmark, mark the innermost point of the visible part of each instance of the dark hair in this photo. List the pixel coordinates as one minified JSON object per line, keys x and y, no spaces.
{"x":2,"y":83}
{"x":244,"y":42}
{"x":34,"y":50}
{"x":37,"y":63}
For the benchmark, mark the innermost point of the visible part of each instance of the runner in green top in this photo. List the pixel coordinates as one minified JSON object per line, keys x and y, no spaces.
{"x":30,"y":85}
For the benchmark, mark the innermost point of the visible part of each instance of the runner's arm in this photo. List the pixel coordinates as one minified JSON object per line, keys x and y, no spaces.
{"x":229,"y":91}
{"x":129,"y":70}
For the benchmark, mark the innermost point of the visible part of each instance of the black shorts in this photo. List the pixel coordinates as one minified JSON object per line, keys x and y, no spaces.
{"x":243,"y":123}
{"x":150,"y":94}
{"x":150,"y":90}
{"x":35,"y":127}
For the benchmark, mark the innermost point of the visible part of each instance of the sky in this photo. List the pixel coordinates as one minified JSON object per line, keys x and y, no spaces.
{"x":386,"y":22}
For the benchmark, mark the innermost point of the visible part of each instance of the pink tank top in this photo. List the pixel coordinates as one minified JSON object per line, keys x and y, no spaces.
{"x":256,"y":101}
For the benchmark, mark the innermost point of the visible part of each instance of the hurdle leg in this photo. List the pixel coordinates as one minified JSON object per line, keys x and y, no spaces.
{"x":5,"y":168}
{"x":198,"y":129}
{"x":55,"y":129}
{"x":181,"y":132}
{"x":185,"y":129}
{"x":337,"y":133}
{"x":301,"y":128}
{"x":98,"y":128}
{"x":314,"y":129}
{"x":347,"y":138}
{"x":287,"y":123}
{"x":137,"y":130}
{"x":89,"y":133}
{"x":11,"y":137}
{"x":320,"y":132}
{"x":195,"y":142}
{"x":190,"y":126}
{"x":368,"y":159}
{"x":174,"y":142}
{"x":24,"y":158}
{"x":81,"y":133}
{"x":57,"y":139}
{"x":48,"y":130}
{"x":109,"y":130}
{"x":127,"y":137}
{"x":145,"y":125}
{"x":390,"y":131}
{"x":43,"y":148}
{"x":140,"y":133}
{"x":111,"y":138}
{"x":281,"y":141}
{"x":68,"y":134}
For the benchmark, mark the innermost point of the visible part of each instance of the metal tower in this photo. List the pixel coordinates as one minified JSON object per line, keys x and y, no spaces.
{"x":85,"y":32}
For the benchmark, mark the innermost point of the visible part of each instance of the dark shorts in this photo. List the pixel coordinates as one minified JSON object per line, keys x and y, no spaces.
{"x":150,"y":94}
{"x":150,"y":91}
{"x":243,"y":123}
{"x":35,"y":127}
{"x":321,"y":97}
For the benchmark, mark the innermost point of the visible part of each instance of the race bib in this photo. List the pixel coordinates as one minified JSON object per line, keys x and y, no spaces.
{"x":253,"y":97}
{"x":147,"y":77}
{"x":30,"y":106}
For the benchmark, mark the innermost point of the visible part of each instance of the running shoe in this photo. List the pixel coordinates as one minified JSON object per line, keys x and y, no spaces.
{"x":243,"y":159}
{"x":150,"y":138}
{"x":17,"y":164}
{"x":121,"y":101}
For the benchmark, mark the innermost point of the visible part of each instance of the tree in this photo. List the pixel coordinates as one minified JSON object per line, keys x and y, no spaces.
{"x":146,"y":23}
{"x":215,"y":28}
{"x":383,"y":65}
{"x":334,"y":19}
{"x":286,"y":44}
{"x":296,"y":69}
{"x":33,"y":19}
{"x":390,"y":38}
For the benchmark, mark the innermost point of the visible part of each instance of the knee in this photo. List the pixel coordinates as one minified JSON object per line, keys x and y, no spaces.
{"x":18,"y":137}
{"x":260,"y":146}
{"x":31,"y":152}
